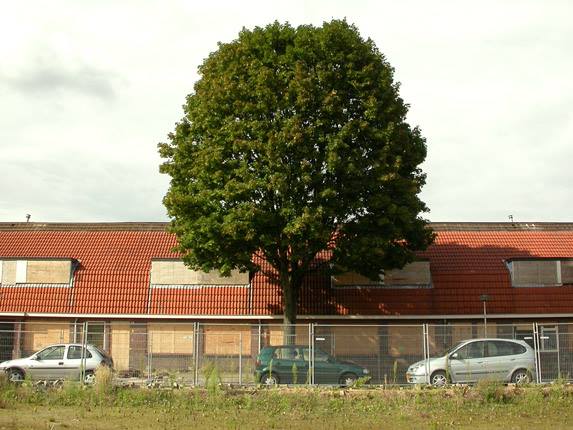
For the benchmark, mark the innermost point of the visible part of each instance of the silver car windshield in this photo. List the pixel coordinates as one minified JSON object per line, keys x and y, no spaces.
{"x":453,"y":348}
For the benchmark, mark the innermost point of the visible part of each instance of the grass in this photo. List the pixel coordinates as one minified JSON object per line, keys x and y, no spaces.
{"x":488,"y":405}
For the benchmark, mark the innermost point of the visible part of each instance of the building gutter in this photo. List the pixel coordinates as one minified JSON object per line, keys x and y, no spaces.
{"x":279,"y":317}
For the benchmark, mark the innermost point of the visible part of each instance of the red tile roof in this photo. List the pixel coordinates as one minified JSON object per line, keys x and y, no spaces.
{"x":113,"y":275}
{"x":467,"y":260}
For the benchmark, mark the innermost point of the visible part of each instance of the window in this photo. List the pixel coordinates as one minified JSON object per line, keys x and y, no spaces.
{"x":37,"y":272}
{"x":498,"y":348}
{"x":413,"y":275}
{"x":96,"y":335}
{"x":548,"y":338}
{"x":471,"y":350}
{"x":540,"y":272}
{"x":75,"y":353}
{"x":52,"y":353}
{"x":286,"y":354}
{"x":321,"y":355}
{"x":523,"y":334}
{"x":173,"y":273}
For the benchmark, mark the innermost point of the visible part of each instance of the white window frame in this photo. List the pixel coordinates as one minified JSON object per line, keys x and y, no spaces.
{"x":21,"y":271}
{"x":546,"y":331}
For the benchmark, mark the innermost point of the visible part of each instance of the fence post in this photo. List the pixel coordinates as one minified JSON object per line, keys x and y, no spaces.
{"x":85,"y":329}
{"x":311,"y":355}
{"x":240,"y":358}
{"x":536,"y":352}
{"x":196,"y":355}
{"x":259,"y":338}
{"x":16,"y":347}
{"x":426,"y":348}
{"x":149,"y":354}
{"x":558,"y":351}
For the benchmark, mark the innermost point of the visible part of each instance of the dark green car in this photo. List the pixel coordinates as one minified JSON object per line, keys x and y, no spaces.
{"x":289,"y":364}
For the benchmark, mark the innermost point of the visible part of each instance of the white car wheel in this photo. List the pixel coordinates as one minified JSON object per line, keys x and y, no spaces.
{"x":439,"y":379}
{"x":348,"y":379}
{"x":89,"y":378}
{"x":15,"y":375}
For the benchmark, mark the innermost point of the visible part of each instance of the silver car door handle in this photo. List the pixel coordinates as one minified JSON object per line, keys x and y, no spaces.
{"x":61,"y":363}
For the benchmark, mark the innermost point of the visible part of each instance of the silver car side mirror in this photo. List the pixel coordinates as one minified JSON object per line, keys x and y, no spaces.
{"x":454,"y":356}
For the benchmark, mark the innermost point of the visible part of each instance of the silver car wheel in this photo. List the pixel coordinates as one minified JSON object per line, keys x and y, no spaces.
{"x":521,"y":377}
{"x":439,"y":379}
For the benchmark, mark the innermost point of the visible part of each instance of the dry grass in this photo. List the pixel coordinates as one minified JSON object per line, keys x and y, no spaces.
{"x":103,"y":380}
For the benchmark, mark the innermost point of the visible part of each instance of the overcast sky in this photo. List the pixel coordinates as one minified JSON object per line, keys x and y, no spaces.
{"x":88,"y":89}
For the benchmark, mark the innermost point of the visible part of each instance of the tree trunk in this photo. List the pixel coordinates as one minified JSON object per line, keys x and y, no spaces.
{"x":290,"y":288}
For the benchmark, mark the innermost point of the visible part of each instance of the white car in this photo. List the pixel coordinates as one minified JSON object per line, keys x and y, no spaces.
{"x":61,"y":361}
{"x":473,"y":360}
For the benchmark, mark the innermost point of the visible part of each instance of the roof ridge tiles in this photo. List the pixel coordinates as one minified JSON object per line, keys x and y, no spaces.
{"x":81,"y":226}
{"x":162,"y":226}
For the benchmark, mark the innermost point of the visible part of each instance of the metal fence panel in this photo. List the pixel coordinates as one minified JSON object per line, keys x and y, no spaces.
{"x":555,"y":351}
{"x":200,"y":353}
{"x":385,"y":351}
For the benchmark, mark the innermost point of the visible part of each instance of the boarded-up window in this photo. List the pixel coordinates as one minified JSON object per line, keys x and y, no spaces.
{"x":9,"y":272}
{"x":15,"y":272}
{"x":176,"y":273}
{"x":416,"y":274}
{"x":350,"y":341}
{"x":413,"y":274}
{"x":355,"y":280}
{"x":226,"y":341}
{"x":535,"y":273}
{"x":48,"y":272}
{"x":405,"y":341}
{"x":120,"y":345}
{"x":171,"y":338}
{"x":40,"y":334}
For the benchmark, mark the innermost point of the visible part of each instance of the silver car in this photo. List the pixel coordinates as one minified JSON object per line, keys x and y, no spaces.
{"x":473,"y":360}
{"x":61,"y":361}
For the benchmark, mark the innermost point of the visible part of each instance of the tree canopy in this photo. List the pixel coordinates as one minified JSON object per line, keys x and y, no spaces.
{"x":294,"y":141}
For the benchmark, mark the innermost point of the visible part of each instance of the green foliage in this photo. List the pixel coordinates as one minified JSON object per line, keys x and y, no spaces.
{"x":485,"y":406}
{"x":361,"y":382}
{"x":295,"y":140}
{"x":212,"y":377}
{"x":493,"y":391}
{"x":294,"y":371}
{"x":4,"y":381}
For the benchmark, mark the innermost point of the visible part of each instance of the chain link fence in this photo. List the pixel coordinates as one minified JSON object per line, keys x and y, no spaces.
{"x":192,"y":354}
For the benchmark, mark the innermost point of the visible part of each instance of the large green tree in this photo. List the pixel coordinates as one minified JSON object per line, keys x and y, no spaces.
{"x":294,"y":141}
